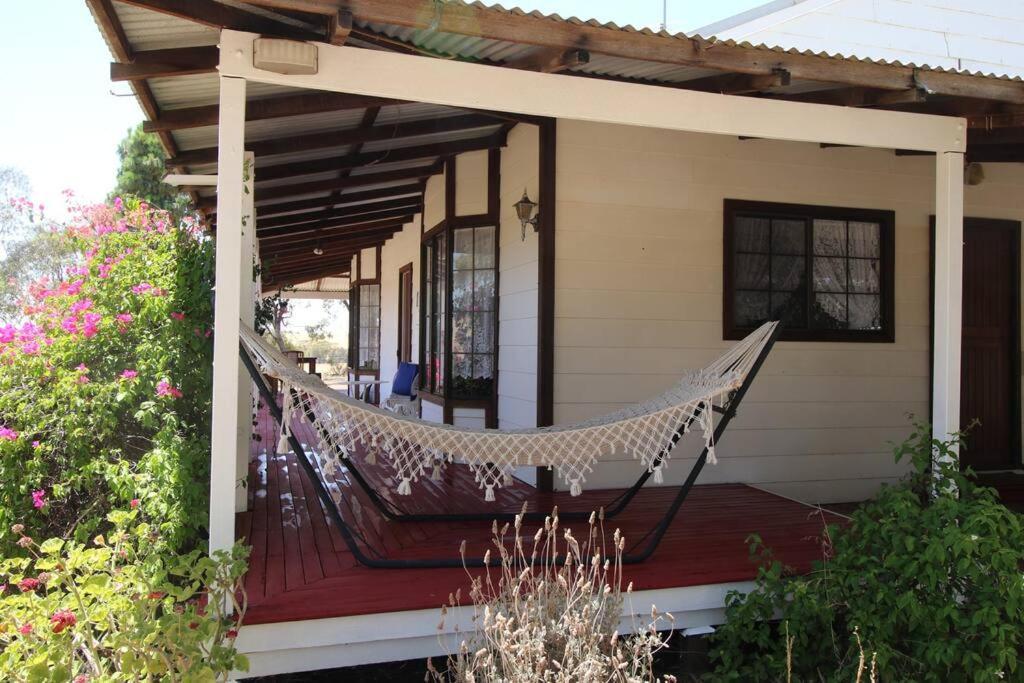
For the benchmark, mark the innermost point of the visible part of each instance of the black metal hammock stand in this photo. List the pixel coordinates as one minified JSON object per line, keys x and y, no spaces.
{"x":372,"y":557}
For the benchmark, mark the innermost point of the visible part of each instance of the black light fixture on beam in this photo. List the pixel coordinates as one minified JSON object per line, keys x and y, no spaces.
{"x":524,"y":209}
{"x":317,"y":249}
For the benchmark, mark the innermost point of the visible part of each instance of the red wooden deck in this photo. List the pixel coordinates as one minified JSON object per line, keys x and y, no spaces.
{"x":301,"y":569}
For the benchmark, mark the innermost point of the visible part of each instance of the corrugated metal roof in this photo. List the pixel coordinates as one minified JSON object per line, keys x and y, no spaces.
{"x":149,"y":30}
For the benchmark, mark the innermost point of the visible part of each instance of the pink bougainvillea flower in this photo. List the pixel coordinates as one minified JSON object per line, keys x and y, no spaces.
{"x":30,"y":348}
{"x":62,"y":619}
{"x":7,"y":334}
{"x":118,"y":204}
{"x":25,"y":629}
{"x":28,"y":585}
{"x":165,"y":388}
{"x":69,"y":324}
{"x":36,"y":444}
{"x":83,"y":379}
{"x":134,"y":503}
{"x":81,"y":305}
{"x":91,"y":325}
{"x":8,"y":434}
{"x":82,"y":367}
{"x":142,"y":288}
{"x":74,"y":288}
{"x":178,"y":316}
{"x":81,"y":678}
{"x":129,"y":374}
{"x":39,"y":499}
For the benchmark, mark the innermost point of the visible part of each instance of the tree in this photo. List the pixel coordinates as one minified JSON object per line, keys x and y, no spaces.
{"x":142,"y":172}
{"x":28,"y":249}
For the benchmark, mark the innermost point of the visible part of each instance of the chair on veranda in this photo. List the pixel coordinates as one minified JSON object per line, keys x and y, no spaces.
{"x":403,"y":399}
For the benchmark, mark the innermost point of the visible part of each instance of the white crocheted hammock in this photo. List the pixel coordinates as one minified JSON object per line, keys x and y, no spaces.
{"x":416,"y":448}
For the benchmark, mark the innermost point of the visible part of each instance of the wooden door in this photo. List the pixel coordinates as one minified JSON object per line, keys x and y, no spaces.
{"x":990,"y":361}
{"x":405,"y":314}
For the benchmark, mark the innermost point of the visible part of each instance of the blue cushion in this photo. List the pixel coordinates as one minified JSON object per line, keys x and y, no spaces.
{"x":404,"y":379}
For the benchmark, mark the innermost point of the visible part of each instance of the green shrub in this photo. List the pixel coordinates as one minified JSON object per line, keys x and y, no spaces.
{"x":927,"y":576}
{"x":105,"y":386}
{"x":118,"y":609}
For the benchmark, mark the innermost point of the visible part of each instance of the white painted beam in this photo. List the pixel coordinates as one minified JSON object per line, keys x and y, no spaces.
{"x":227,"y":309}
{"x":949,"y":261}
{"x":461,"y":84}
{"x":196,"y":180}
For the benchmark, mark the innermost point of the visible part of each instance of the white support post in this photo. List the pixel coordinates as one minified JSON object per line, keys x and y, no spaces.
{"x":247,"y":300}
{"x":228,"y":293}
{"x":949,"y":261}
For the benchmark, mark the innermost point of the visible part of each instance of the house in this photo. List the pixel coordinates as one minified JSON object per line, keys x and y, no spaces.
{"x":686,"y":189}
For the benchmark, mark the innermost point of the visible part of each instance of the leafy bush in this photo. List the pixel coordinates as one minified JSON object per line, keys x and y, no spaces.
{"x":118,"y":609}
{"x":105,"y":385}
{"x":551,"y":613}
{"x":928,"y":576}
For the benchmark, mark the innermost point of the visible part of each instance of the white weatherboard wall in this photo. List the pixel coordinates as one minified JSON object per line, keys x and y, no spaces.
{"x":400,"y":250}
{"x":973,"y":35}
{"x":639,"y":298}
{"x":517,"y":336}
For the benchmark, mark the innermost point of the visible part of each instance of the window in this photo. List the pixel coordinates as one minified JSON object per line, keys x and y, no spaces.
{"x":473,"y":299}
{"x":367,"y":304}
{"x":460,"y":301}
{"x":826,"y":273}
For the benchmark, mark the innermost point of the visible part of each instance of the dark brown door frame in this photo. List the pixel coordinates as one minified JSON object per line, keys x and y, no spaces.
{"x":1015,"y":340}
{"x":404,"y":345}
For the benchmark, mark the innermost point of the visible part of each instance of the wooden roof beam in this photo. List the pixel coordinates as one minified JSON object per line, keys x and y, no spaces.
{"x":302,"y":249}
{"x":267,"y":108}
{"x":740,"y":84}
{"x":329,"y":203}
{"x":352,"y":161}
{"x":862,"y":97}
{"x":341,"y":217}
{"x":551,"y":60}
{"x":270,"y":207}
{"x":301,"y":189}
{"x":494,"y":24}
{"x":351,"y":136}
{"x":183,"y":61}
{"x":338,"y":226}
{"x":339,"y":27}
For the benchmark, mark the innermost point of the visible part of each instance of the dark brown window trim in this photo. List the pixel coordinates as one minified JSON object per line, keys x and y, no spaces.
{"x":886,"y":219}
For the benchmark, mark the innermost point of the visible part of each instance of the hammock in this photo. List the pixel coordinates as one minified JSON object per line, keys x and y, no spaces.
{"x":416,"y":448}
{"x":342,"y":423}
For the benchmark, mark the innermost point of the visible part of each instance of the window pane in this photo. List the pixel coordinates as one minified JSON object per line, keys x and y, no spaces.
{"x":752,"y":234}
{"x":830,"y":274}
{"x":788,"y":273}
{"x":483,"y":332}
{"x":483,"y":366}
{"x":829,"y":312}
{"x":864,"y":275}
{"x":462,"y":331}
{"x":788,"y":237}
{"x":865,"y":312}
{"x":462,"y":365}
{"x":483,"y":290}
{"x":462,"y":290}
{"x":484,"y":249}
{"x":790,"y":308}
{"x":463,"y":254}
{"x":751,"y":271}
{"x":865,"y":239}
{"x":751,"y":308}
{"x":829,"y":238}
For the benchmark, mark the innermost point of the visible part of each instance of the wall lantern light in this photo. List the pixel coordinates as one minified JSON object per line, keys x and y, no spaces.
{"x":525,"y":209}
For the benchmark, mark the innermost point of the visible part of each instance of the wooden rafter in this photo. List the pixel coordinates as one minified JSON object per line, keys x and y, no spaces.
{"x":482,"y":22}
{"x":351,"y":161}
{"x":301,"y":248}
{"x":329,"y":204}
{"x":301,"y":189}
{"x":336,"y":228}
{"x":332,"y":218}
{"x":352,"y":136}
{"x":182,"y":61}
{"x":271,"y":207}
{"x":269,"y":108}
{"x":740,"y":84}
{"x":551,"y":60}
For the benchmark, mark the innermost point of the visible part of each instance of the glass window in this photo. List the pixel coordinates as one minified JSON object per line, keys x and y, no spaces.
{"x":466,"y":283}
{"x":826,"y":273}
{"x":368,"y":357}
